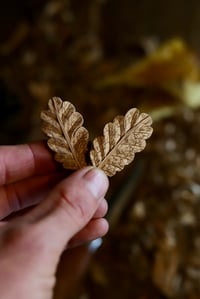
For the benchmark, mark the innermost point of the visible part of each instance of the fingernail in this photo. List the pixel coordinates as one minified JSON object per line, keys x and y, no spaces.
{"x":97,"y":182}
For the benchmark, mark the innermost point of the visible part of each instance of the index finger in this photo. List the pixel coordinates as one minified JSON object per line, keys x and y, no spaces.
{"x":21,"y":161}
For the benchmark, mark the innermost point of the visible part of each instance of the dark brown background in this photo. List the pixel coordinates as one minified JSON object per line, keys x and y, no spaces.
{"x":62,"y":48}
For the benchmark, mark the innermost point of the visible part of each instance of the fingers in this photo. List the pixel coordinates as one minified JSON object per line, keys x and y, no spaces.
{"x":96,"y":228}
{"x":17,"y":196}
{"x":70,"y":207}
{"x":102,"y":209}
{"x":21,"y":161}
{"x":75,"y":203}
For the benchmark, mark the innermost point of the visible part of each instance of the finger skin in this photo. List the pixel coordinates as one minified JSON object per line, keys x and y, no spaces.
{"x":27,"y":173}
{"x":30,"y":247}
{"x":28,"y":192}
{"x":18,"y":162}
{"x":73,"y":202}
{"x":96,"y":228}
{"x":102,"y":209}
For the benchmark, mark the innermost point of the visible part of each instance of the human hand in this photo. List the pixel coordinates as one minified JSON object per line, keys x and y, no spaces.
{"x":66,"y":213}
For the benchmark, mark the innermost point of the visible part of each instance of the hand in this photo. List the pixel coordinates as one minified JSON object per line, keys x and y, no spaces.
{"x":62,"y":213}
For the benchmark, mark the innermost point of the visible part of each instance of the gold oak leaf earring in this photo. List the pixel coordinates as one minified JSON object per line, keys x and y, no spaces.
{"x":121,"y":139}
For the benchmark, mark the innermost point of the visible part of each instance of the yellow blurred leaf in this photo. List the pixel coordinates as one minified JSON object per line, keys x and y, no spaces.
{"x":172,"y":63}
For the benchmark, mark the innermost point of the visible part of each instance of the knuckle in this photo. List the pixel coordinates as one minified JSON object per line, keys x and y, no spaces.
{"x":74,"y":204}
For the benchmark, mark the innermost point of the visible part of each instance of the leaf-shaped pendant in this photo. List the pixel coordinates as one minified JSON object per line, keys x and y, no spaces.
{"x":121,"y":139}
{"x":68,"y":138}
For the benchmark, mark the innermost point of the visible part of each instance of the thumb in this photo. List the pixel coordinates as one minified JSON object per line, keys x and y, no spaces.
{"x":69,"y":207}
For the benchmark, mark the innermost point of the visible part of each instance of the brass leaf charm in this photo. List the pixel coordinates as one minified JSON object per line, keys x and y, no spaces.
{"x":68,"y":138}
{"x":121,"y":139}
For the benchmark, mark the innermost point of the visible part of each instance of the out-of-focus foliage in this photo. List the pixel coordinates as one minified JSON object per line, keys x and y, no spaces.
{"x":172,"y":63}
{"x":173,"y":67}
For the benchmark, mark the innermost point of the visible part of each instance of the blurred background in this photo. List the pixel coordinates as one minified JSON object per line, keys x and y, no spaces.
{"x":107,"y":56}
